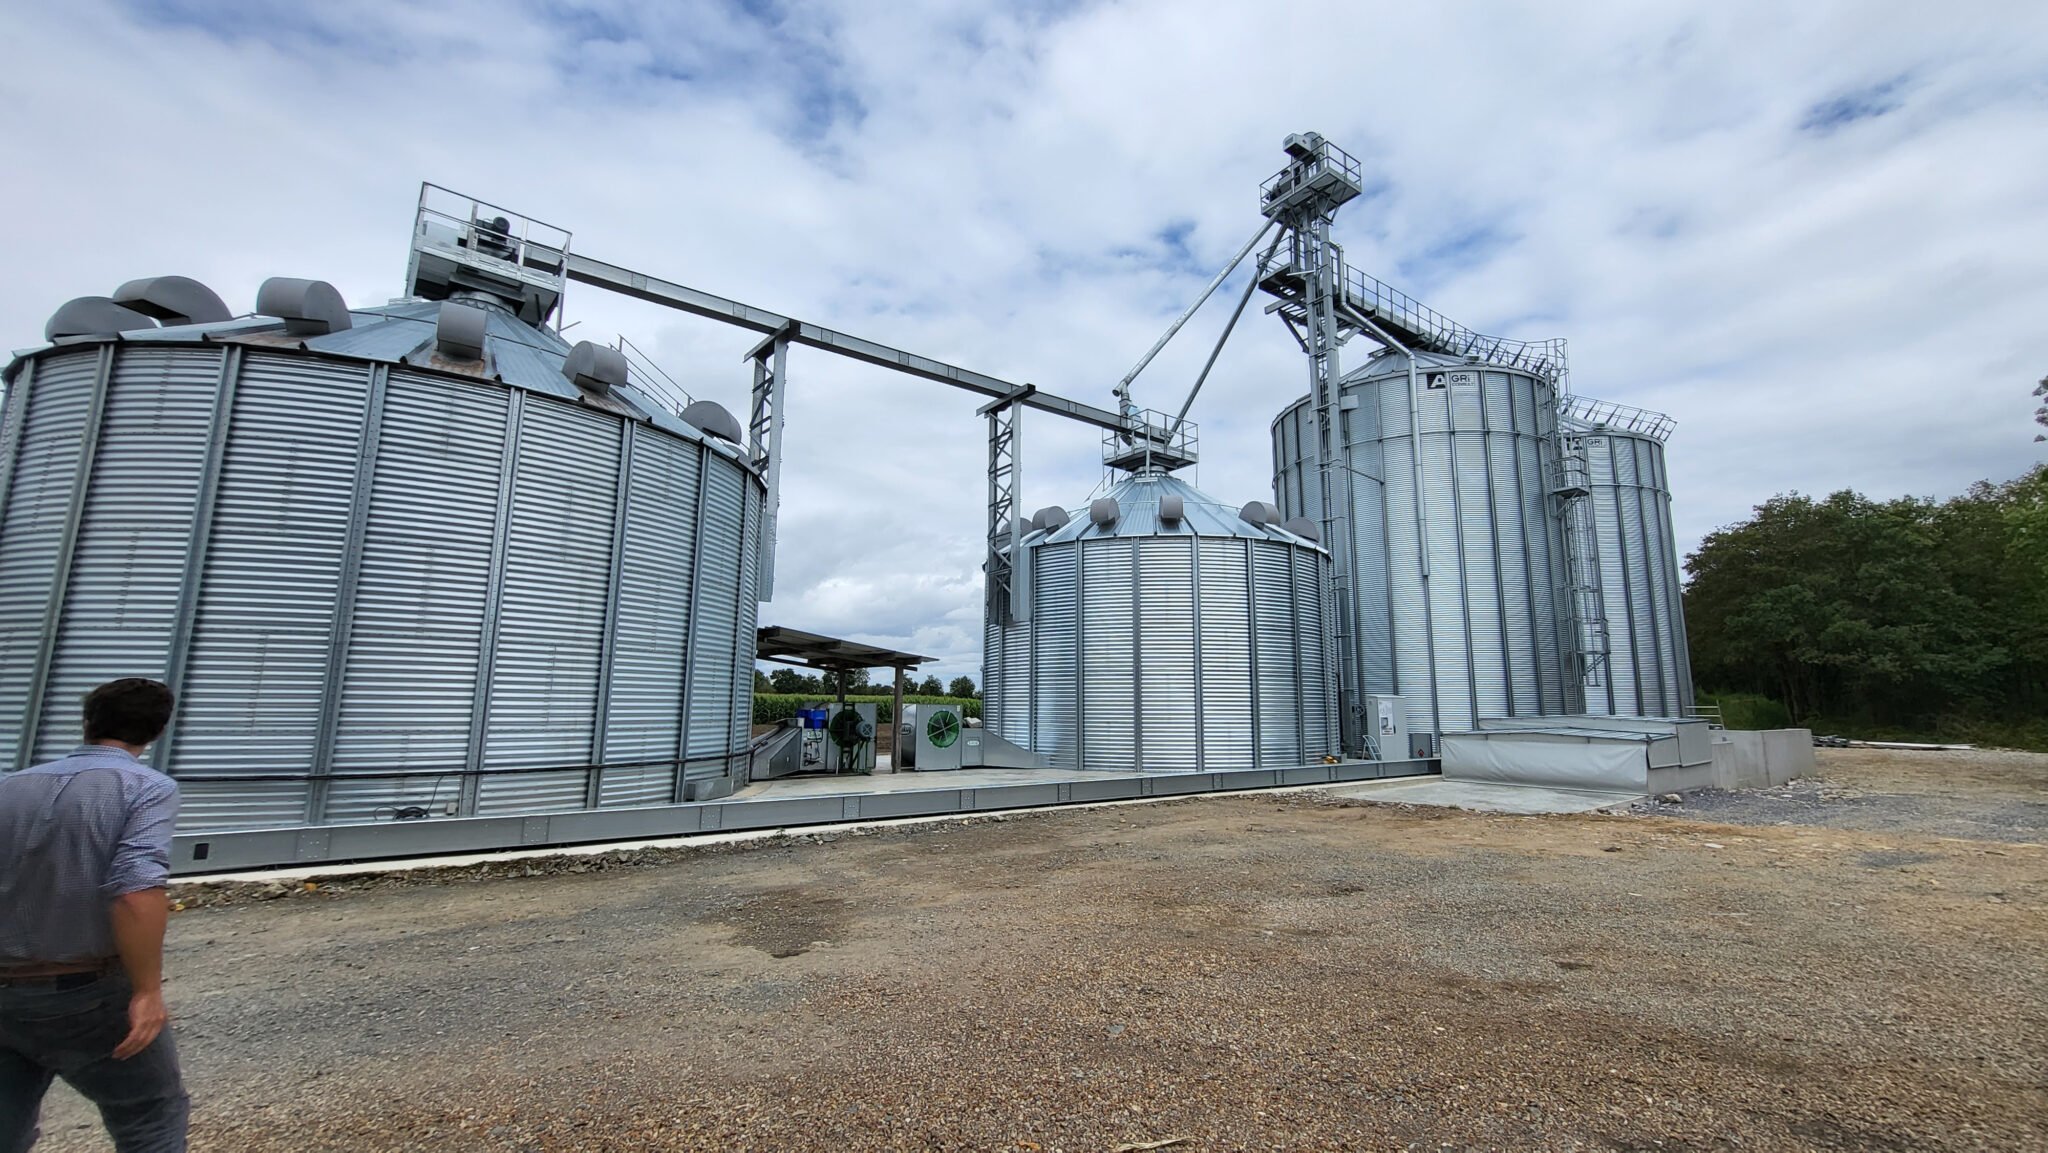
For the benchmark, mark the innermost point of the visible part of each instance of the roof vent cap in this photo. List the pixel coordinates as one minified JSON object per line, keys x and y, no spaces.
{"x":595,"y":368}
{"x":710,"y":418}
{"x":459,"y":332}
{"x":1304,"y":528}
{"x":1170,"y":509}
{"x":174,"y":300}
{"x":1048,"y":518}
{"x":307,"y":307}
{"x":1260,"y":513}
{"x":93,"y":316}
{"x":1104,"y":511}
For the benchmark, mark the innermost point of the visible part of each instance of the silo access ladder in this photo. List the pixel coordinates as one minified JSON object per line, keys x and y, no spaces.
{"x":1585,"y":603}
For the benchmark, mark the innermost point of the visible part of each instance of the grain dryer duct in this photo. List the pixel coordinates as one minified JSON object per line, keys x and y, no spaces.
{"x":1456,"y":556}
{"x":1166,"y":631}
{"x":1649,"y":670}
{"x":403,"y":562}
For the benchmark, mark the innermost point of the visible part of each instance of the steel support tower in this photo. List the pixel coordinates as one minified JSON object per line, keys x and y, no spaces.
{"x":1303,"y":199}
{"x":1325,"y":302}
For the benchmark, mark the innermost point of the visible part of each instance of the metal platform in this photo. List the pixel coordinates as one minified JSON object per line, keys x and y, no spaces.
{"x":770,"y":805}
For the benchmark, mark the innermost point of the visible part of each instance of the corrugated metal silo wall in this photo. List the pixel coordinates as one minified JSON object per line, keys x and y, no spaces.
{"x":1478,"y":635}
{"x":373,"y":587}
{"x":1168,"y":653}
{"x":1649,"y":668}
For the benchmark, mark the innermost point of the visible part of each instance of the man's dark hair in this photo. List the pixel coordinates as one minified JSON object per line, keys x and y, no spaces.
{"x":132,"y":710}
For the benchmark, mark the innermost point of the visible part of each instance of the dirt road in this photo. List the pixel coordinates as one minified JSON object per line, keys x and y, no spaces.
{"x":1246,"y":973}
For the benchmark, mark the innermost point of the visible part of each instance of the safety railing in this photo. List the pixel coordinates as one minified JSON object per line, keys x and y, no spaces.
{"x":526,"y":247}
{"x":1439,"y":333}
{"x":651,"y":380}
{"x":1326,"y":166}
{"x":1151,"y":440}
{"x":1590,"y":413}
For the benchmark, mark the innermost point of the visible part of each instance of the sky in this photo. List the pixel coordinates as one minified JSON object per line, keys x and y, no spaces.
{"x":1813,"y":234}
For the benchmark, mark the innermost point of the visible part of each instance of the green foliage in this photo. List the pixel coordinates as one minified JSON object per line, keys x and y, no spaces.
{"x":1903,"y":614}
{"x":788,"y":680}
{"x":930,"y":686}
{"x":962,"y":687}
{"x":1748,"y":710}
{"x":772,"y":707}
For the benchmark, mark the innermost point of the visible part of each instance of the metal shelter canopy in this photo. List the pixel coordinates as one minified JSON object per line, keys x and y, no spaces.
{"x":786,"y":646}
{"x":830,"y":654}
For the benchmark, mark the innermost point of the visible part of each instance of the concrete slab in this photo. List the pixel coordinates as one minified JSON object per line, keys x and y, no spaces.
{"x":835,"y":786}
{"x":1484,"y":796}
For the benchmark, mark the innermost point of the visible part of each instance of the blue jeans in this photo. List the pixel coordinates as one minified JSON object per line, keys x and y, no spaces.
{"x":49,"y":1031}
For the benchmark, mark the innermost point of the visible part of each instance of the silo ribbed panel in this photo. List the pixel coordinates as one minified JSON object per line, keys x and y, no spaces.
{"x":544,"y":675}
{"x":1318,"y":670}
{"x":1478,"y":552}
{"x":265,"y":622}
{"x":1543,"y":541}
{"x":47,"y":412}
{"x":1524,"y":669}
{"x":745,"y":637}
{"x":127,"y":569}
{"x":1055,"y":685}
{"x":995,"y":689}
{"x":1276,"y":656}
{"x":1450,"y":577}
{"x":1108,"y":657}
{"x":1616,"y":593}
{"x":1643,"y":593}
{"x":714,"y":666}
{"x":1014,"y":723}
{"x":1227,"y":713}
{"x":1370,"y":611}
{"x":1166,"y":661}
{"x":644,"y":727}
{"x":409,"y":684}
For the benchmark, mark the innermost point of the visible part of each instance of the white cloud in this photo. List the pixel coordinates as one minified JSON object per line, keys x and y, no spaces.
{"x":1856,"y":302}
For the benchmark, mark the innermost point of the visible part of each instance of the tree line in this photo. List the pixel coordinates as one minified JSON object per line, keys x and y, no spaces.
{"x":1896,"y":617}
{"x":860,"y":681}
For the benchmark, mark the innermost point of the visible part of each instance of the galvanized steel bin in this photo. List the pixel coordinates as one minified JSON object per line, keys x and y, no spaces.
{"x":384,"y":585}
{"x":1166,"y":644}
{"x":1456,"y":557}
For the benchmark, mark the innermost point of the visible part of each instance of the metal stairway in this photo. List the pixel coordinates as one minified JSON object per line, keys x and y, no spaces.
{"x":1363,"y":298}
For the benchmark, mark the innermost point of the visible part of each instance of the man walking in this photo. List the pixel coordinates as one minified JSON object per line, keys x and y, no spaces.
{"x":85,"y":852}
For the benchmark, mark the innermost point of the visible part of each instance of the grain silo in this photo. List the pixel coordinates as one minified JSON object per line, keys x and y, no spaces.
{"x":405,"y":562}
{"x":1457,"y":561}
{"x":1648,"y":668}
{"x":1165,"y":631}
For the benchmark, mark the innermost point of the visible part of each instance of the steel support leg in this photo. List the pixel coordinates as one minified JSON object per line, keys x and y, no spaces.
{"x":764,"y":447}
{"x":1005,"y":441}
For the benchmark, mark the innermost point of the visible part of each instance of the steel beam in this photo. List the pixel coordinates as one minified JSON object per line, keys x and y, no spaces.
{"x":654,"y":290}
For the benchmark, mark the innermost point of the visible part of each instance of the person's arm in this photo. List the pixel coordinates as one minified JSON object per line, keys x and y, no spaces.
{"x":139,"y":908}
{"x":139,"y":919}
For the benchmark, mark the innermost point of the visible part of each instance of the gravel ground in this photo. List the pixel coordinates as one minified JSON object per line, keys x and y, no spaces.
{"x":1257,"y":972}
{"x":1986,"y":795}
